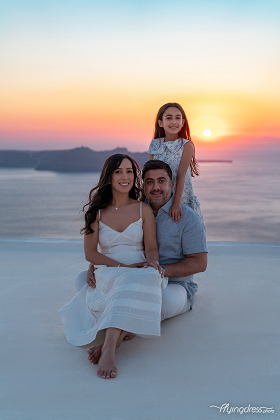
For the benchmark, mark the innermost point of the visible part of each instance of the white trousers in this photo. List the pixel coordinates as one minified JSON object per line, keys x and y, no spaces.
{"x":174,"y":298}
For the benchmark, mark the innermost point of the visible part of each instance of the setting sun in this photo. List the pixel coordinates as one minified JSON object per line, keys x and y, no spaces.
{"x":207,"y":133}
{"x":215,"y":128}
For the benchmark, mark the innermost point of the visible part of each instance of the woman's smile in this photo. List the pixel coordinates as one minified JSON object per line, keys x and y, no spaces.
{"x":123,"y":177}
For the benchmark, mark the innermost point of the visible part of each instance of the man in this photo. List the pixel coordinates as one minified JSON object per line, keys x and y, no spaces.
{"x":182,"y":246}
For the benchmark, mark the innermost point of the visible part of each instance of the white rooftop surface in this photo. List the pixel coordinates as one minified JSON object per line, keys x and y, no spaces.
{"x":226,"y":350}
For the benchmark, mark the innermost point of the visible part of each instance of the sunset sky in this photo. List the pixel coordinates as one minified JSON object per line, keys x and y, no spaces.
{"x":94,"y":73}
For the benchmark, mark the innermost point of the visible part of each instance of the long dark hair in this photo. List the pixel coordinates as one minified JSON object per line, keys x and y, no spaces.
{"x":100,"y":196}
{"x":183,"y":133}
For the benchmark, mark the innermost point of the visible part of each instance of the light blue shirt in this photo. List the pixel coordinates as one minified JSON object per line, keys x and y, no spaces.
{"x":176,"y":240}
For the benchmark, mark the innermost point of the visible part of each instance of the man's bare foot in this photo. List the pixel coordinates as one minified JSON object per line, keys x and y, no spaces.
{"x":107,"y":365}
{"x":129,"y":336}
{"x":94,"y":353}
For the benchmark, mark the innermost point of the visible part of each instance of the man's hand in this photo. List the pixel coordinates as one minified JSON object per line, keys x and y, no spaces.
{"x":145,"y":264}
{"x":155,"y":264}
{"x":91,"y":281}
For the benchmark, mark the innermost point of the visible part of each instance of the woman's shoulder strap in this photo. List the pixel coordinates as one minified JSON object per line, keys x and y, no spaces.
{"x":140,"y":209}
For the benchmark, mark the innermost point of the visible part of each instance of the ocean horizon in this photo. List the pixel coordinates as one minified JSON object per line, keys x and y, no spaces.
{"x":240,"y":201}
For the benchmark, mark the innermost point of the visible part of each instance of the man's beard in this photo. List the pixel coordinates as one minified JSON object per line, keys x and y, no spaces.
{"x":159,"y":199}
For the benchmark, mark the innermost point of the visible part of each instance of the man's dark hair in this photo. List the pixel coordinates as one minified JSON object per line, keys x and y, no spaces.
{"x":156,"y":164}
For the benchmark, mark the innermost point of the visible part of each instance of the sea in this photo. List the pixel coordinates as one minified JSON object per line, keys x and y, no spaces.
{"x":240,"y":200}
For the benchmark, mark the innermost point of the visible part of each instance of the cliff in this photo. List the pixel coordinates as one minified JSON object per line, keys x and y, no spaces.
{"x":81,"y":159}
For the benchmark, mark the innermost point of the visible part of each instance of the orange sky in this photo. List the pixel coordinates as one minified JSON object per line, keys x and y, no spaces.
{"x":67,"y":83}
{"x":85,"y":117}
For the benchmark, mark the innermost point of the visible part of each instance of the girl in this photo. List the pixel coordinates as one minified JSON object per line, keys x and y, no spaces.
{"x":172,"y":144}
{"x":127,"y":298}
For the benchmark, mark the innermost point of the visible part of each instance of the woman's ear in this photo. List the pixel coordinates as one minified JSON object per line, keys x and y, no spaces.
{"x":160,"y":123}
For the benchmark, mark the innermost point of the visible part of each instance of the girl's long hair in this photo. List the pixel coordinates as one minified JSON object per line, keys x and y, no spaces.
{"x":100,"y":196}
{"x":183,"y":133}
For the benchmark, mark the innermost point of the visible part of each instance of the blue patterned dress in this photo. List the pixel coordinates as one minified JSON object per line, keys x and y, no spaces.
{"x":171,"y":152}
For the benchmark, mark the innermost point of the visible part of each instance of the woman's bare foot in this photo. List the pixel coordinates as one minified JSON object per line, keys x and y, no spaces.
{"x":94,"y":353}
{"x":107,"y":365}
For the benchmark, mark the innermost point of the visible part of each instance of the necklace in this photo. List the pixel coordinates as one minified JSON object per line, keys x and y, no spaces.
{"x":117,"y":208}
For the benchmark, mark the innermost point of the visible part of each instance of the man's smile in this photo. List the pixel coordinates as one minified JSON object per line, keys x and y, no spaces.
{"x":156,"y":192}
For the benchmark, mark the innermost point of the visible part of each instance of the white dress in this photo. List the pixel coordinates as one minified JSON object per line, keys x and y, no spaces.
{"x":124,"y":298}
{"x":171,"y":152}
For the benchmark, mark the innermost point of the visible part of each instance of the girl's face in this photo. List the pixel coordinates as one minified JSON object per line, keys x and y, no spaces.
{"x":122,"y":179}
{"x":172,"y":121}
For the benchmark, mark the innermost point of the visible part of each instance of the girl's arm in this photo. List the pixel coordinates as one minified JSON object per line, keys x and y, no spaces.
{"x":151,"y":157}
{"x":150,"y":238}
{"x":176,"y":209}
{"x":90,"y":247}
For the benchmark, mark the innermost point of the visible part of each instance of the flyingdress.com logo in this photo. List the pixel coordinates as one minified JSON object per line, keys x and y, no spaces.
{"x":225,"y":408}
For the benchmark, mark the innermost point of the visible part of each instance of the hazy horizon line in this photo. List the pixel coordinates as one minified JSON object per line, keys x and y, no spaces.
{"x":228,"y":144}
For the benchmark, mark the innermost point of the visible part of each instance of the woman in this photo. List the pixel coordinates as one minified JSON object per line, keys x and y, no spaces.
{"x":127,"y":298}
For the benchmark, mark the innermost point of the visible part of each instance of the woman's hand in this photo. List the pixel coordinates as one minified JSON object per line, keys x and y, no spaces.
{"x":145,"y":264}
{"x":155,"y":264}
{"x":136,"y":265}
{"x":176,"y":212}
{"x":90,"y":276}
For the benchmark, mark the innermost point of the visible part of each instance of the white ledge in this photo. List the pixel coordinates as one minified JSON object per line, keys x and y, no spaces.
{"x":226,"y":350}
